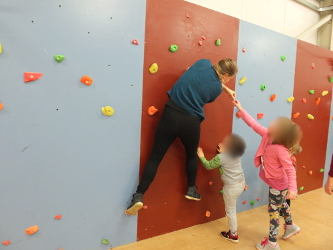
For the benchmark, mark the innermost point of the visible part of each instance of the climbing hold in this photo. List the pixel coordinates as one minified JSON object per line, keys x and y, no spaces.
{"x":1,"y":106}
{"x":238,"y":114}
{"x":31,"y":230}
{"x":58,"y":217}
{"x":134,"y":41}
{"x":332,"y":117}
{"x":30,"y":76}
{"x":188,"y":16}
{"x":203,"y":38}
{"x":273,"y":97}
{"x":260,"y":116}
{"x":152,"y":110}
{"x":303,"y":100}
{"x":296,"y":115}
{"x":301,"y":188}
{"x":303,"y":166}
{"x":317,"y":101}
{"x":290,"y":99}
{"x":59,"y":58}
{"x":242,"y":81}
{"x":324,"y":93}
{"x":310,"y":172}
{"x":207,"y":214}
{"x":218,"y":42}
{"x":245,"y":187}
{"x":173,"y":48}
{"x":258,"y":199}
{"x":253,"y":202}
{"x":200,"y":43}
{"x":283,"y":58}
{"x":244,"y":49}
{"x":86,"y":80}
{"x":313,"y":66}
{"x":263,"y":87}
{"x":153,"y":68}
{"x":145,"y":207}
{"x":322,"y":170}
{"x":221,"y":191}
{"x":311,"y":91}
{"x":107,"y":110}
{"x":6,"y":243}
{"x":0,"y":48}
{"x":210,"y":183}
{"x":244,"y":202}
{"x":331,"y":79}
{"x":310,"y":117}
{"x":105,"y":241}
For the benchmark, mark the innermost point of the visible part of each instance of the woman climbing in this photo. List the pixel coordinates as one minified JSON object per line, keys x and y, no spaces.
{"x":202,"y":83}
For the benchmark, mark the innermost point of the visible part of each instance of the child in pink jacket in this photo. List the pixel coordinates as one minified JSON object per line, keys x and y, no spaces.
{"x":277,"y":171}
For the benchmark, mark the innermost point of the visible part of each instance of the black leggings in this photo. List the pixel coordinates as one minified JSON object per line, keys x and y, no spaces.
{"x":173,"y":124}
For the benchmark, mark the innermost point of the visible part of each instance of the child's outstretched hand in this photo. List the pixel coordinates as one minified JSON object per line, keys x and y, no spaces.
{"x":292,"y":195}
{"x":220,"y":148}
{"x":200,"y":153}
{"x":237,"y":104}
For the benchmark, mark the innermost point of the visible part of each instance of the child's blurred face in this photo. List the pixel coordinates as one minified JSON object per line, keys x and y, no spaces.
{"x":273,"y":130}
{"x":226,"y":141}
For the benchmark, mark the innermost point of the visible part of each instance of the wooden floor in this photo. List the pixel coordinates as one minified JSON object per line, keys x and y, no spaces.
{"x":312,"y":212}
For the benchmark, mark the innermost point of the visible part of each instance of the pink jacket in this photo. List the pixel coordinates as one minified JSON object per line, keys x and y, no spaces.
{"x":276,"y":157}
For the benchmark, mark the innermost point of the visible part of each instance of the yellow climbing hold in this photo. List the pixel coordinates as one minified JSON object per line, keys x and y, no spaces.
{"x":242,"y":81}
{"x":107,"y":110}
{"x":153,"y":68}
{"x":310,"y":117}
{"x":290,"y":99}
{"x":0,"y":48}
{"x":324,"y":93}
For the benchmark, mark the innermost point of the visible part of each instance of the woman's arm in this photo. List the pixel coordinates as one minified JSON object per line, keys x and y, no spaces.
{"x":249,"y":120}
{"x":231,"y":93}
{"x":289,"y":169}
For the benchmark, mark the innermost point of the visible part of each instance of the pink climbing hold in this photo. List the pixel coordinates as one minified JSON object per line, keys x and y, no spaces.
{"x":244,"y":49}
{"x":188,"y":16}
{"x":203,"y":38}
{"x":30,"y":76}
{"x":200,"y":43}
{"x":313,"y":66}
{"x":303,"y":166}
{"x":58,"y":217}
{"x":6,"y":243}
{"x":145,"y":207}
{"x":210,"y":183}
{"x":134,"y":41}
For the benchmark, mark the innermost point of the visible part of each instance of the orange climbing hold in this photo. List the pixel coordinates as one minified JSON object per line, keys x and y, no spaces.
{"x":203,"y":38}
{"x":6,"y":243}
{"x":188,"y":16}
{"x":317,"y":101}
{"x":145,"y":207}
{"x":1,"y":106}
{"x":58,"y":217}
{"x":207,"y":214}
{"x":238,"y":114}
{"x":260,"y":116}
{"x":303,"y":100}
{"x":136,"y":42}
{"x":86,"y":80}
{"x":200,"y":43}
{"x":245,"y":187}
{"x":310,"y":173}
{"x":31,"y":230}
{"x":152,"y":110}
{"x":296,"y":115}
{"x":273,"y":97}
{"x":210,"y":183}
{"x":30,"y":76}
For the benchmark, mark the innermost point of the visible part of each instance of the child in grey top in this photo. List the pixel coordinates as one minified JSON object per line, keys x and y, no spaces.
{"x":229,"y":163}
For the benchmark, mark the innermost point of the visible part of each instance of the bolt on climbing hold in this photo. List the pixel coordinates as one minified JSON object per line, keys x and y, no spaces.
{"x":260,"y":116}
{"x":1,"y":106}
{"x":207,"y":214}
{"x":210,"y":183}
{"x":31,"y":230}
{"x":310,"y":172}
{"x":87,"y":80}
{"x":252,"y":202}
{"x":322,"y":170}
{"x":244,"y":202}
{"x":105,"y":241}
{"x":263,"y":87}
{"x":200,"y":43}
{"x":218,"y":42}
{"x":242,"y":81}
{"x":238,"y":114}
{"x":290,"y":99}
{"x":6,"y":243}
{"x":324,"y":93}
{"x":152,"y":110}
{"x":258,"y":199}
{"x":317,"y":101}
{"x":310,"y":117}
{"x":331,"y":79}
{"x":313,"y":66}
{"x":0,"y":48}
{"x":283,"y":58}
{"x":296,"y":115}
{"x":173,"y":48}
{"x":303,"y":166}
{"x":153,"y":68}
{"x":303,"y":100}
{"x":246,"y":187}
{"x":59,"y":58}
{"x":58,"y":217}
{"x":107,"y":110}
{"x":145,"y":207}
{"x":244,"y":49}
{"x":31,"y":76}
{"x":203,"y":38}
{"x":273,"y":97}
{"x":136,"y":42}
{"x":311,"y":91}
{"x":301,"y":188}
{"x":188,"y":16}
{"x":221,"y":191}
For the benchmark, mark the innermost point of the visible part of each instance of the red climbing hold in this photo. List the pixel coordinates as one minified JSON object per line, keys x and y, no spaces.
{"x":145,"y":207}
{"x":58,"y":217}
{"x":30,"y":76}
{"x":200,"y":43}
{"x":86,"y":80}
{"x":134,"y":41}
{"x":260,"y":116}
{"x":303,"y":166}
{"x":296,"y":115}
{"x":6,"y":243}
{"x":203,"y":38}
{"x":244,"y":202}
{"x":244,"y":49}
{"x":210,"y":183}
{"x":313,"y":66}
{"x":258,"y":199}
{"x":152,"y":110}
{"x":238,"y":114}
{"x":317,"y":101}
{"x":207,"y":214}
{"x":272,"y":97}
{"x":303,"y":100}
{"x":188,"y":16}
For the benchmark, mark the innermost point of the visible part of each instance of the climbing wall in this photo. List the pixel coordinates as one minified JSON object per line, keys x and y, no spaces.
{"x":184,"y":25}
{"x":59,"y":154}
{"x":314,"y":67}
{"x":259,"y":59}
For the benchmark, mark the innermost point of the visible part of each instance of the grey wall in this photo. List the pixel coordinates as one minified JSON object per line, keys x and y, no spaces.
{"x":58,"y":153}
{"x":329,"y":150}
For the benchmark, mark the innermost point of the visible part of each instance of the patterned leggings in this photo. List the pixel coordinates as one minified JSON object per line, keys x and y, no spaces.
{"x":277,"y":202}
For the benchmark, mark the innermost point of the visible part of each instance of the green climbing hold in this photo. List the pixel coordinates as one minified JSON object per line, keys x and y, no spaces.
{"x":252,"y":202}
{"x":105,"y":241}
{"x":322,"y":170}
{"x":173,"y":48}
{"x":311,"y":91}
{"x":59,"y":58}
{"x":283,"y":58}
{"x":218,"y":42}
{"x":263,"y":87}
{"x":331,"y":79}
{"x":221,"y":191}
{"x":301,"y":188}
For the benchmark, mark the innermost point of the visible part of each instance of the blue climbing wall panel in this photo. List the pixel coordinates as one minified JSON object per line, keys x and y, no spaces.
{"x":261,"y":64}
{"x":329,"y":150}
{"x":59,"y":154}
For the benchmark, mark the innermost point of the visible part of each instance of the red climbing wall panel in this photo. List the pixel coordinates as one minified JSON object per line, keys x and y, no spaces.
{"x":167,"y":24}
{"x":315,"y":131}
